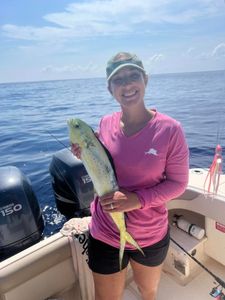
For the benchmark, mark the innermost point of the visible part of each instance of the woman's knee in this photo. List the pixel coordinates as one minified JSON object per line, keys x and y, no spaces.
{"x":147,"y":279}
{"x":147,"y":292}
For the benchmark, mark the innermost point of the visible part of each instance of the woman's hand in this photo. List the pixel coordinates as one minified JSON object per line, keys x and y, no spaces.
{"x":76,"y":150}
{"x":120,"y":201}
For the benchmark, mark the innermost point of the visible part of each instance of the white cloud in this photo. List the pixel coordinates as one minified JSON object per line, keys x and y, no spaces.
{"x":190,"y":52}
{"x":36,"y":34}
{"x":108,"y":17}
{"x":156,"y":58}
{"x":219,"y":50}
{"x":194,"y":53}
{"x":216,"y":53}
{"x":153,"y":62}
{"x":202,"y":56}
{"x":90,"y":67}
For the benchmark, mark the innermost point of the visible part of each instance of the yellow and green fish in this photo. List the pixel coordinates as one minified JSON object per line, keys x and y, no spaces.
{"x":101,"y":172}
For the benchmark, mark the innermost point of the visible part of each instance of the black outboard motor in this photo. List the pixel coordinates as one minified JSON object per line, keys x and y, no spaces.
{"x":21,"y":222}
{"x":72,"y":185}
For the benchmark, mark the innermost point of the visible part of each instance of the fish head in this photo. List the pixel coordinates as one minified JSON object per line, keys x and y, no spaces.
{"x":79,"y":132}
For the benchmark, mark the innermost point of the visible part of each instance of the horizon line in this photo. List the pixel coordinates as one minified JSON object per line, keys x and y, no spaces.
{"x":88,"y":78}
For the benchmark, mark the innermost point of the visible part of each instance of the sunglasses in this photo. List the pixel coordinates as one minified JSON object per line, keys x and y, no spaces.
{"x":133,"y":77}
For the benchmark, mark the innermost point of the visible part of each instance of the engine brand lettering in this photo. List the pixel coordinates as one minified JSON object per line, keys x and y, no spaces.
{"x":10,"y":209}
{"x":86,"y":179}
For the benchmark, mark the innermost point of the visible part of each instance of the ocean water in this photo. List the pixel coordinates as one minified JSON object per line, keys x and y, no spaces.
{"x":29,"y":111}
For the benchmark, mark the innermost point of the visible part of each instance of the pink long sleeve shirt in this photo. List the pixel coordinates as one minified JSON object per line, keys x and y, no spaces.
{"x":154,"y":164}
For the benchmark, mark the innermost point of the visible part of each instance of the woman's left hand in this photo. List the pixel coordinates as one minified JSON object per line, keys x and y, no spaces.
{"x":120,"y":201}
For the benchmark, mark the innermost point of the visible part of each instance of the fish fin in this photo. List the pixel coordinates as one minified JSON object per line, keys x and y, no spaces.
{"x":130,"y":240}
{"x":122,"y":247}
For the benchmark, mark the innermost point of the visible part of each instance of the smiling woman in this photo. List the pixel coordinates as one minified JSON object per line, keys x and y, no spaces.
{"x":127,"y":81}
{"x":146,"y":147}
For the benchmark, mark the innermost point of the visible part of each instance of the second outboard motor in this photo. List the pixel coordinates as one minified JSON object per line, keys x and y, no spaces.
{"x":72,"y":185}
{"x":21,"y":222}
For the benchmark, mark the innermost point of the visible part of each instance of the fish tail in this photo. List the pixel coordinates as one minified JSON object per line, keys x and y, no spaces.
{"x":130,"y":240}
{"x":122,"y":247}
{"x":126,"y":237}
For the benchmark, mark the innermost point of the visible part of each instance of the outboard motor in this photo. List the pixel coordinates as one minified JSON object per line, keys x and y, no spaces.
{"x":72,"y":185}
{"x":21,"y":222}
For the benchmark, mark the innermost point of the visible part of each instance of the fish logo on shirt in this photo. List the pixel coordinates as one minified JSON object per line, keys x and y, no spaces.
{"x":152,"y":151}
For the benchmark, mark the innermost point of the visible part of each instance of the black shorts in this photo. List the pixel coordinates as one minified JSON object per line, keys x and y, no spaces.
{"x":104,"y":259}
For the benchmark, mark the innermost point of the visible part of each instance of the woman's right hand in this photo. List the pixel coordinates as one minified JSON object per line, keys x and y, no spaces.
{"x":76,"y":150}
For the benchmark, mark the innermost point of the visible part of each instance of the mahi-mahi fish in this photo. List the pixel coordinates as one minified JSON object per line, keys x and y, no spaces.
{"x":100,"y":170}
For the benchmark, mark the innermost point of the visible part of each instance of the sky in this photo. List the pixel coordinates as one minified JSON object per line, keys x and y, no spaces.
{"x":60,"y":39}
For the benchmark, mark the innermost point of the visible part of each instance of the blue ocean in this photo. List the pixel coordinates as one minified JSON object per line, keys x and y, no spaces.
{"x":31,"y":111}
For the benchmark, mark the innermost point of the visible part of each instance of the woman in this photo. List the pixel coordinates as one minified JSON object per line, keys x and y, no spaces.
{"x":150,"y":155}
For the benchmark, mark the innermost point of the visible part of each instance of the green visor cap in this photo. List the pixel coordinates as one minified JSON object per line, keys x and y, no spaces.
{"x":121,"y":60}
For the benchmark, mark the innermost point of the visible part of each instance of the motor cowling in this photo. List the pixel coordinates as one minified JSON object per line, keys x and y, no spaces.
{"x":72,"y":186}
{"x":21,"y":221}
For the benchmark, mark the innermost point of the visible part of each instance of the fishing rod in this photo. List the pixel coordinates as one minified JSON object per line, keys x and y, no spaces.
{"x":219,"y":280}
{"x":58,"y":168}
{"x":52,"y":135}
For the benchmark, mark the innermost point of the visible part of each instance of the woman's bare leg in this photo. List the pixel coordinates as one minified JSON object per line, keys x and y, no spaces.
{"x":109,"y":286}
{"x":147,"y":279}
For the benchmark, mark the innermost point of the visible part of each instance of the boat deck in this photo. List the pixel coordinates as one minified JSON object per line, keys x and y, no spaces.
{"x":197,"y":289}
